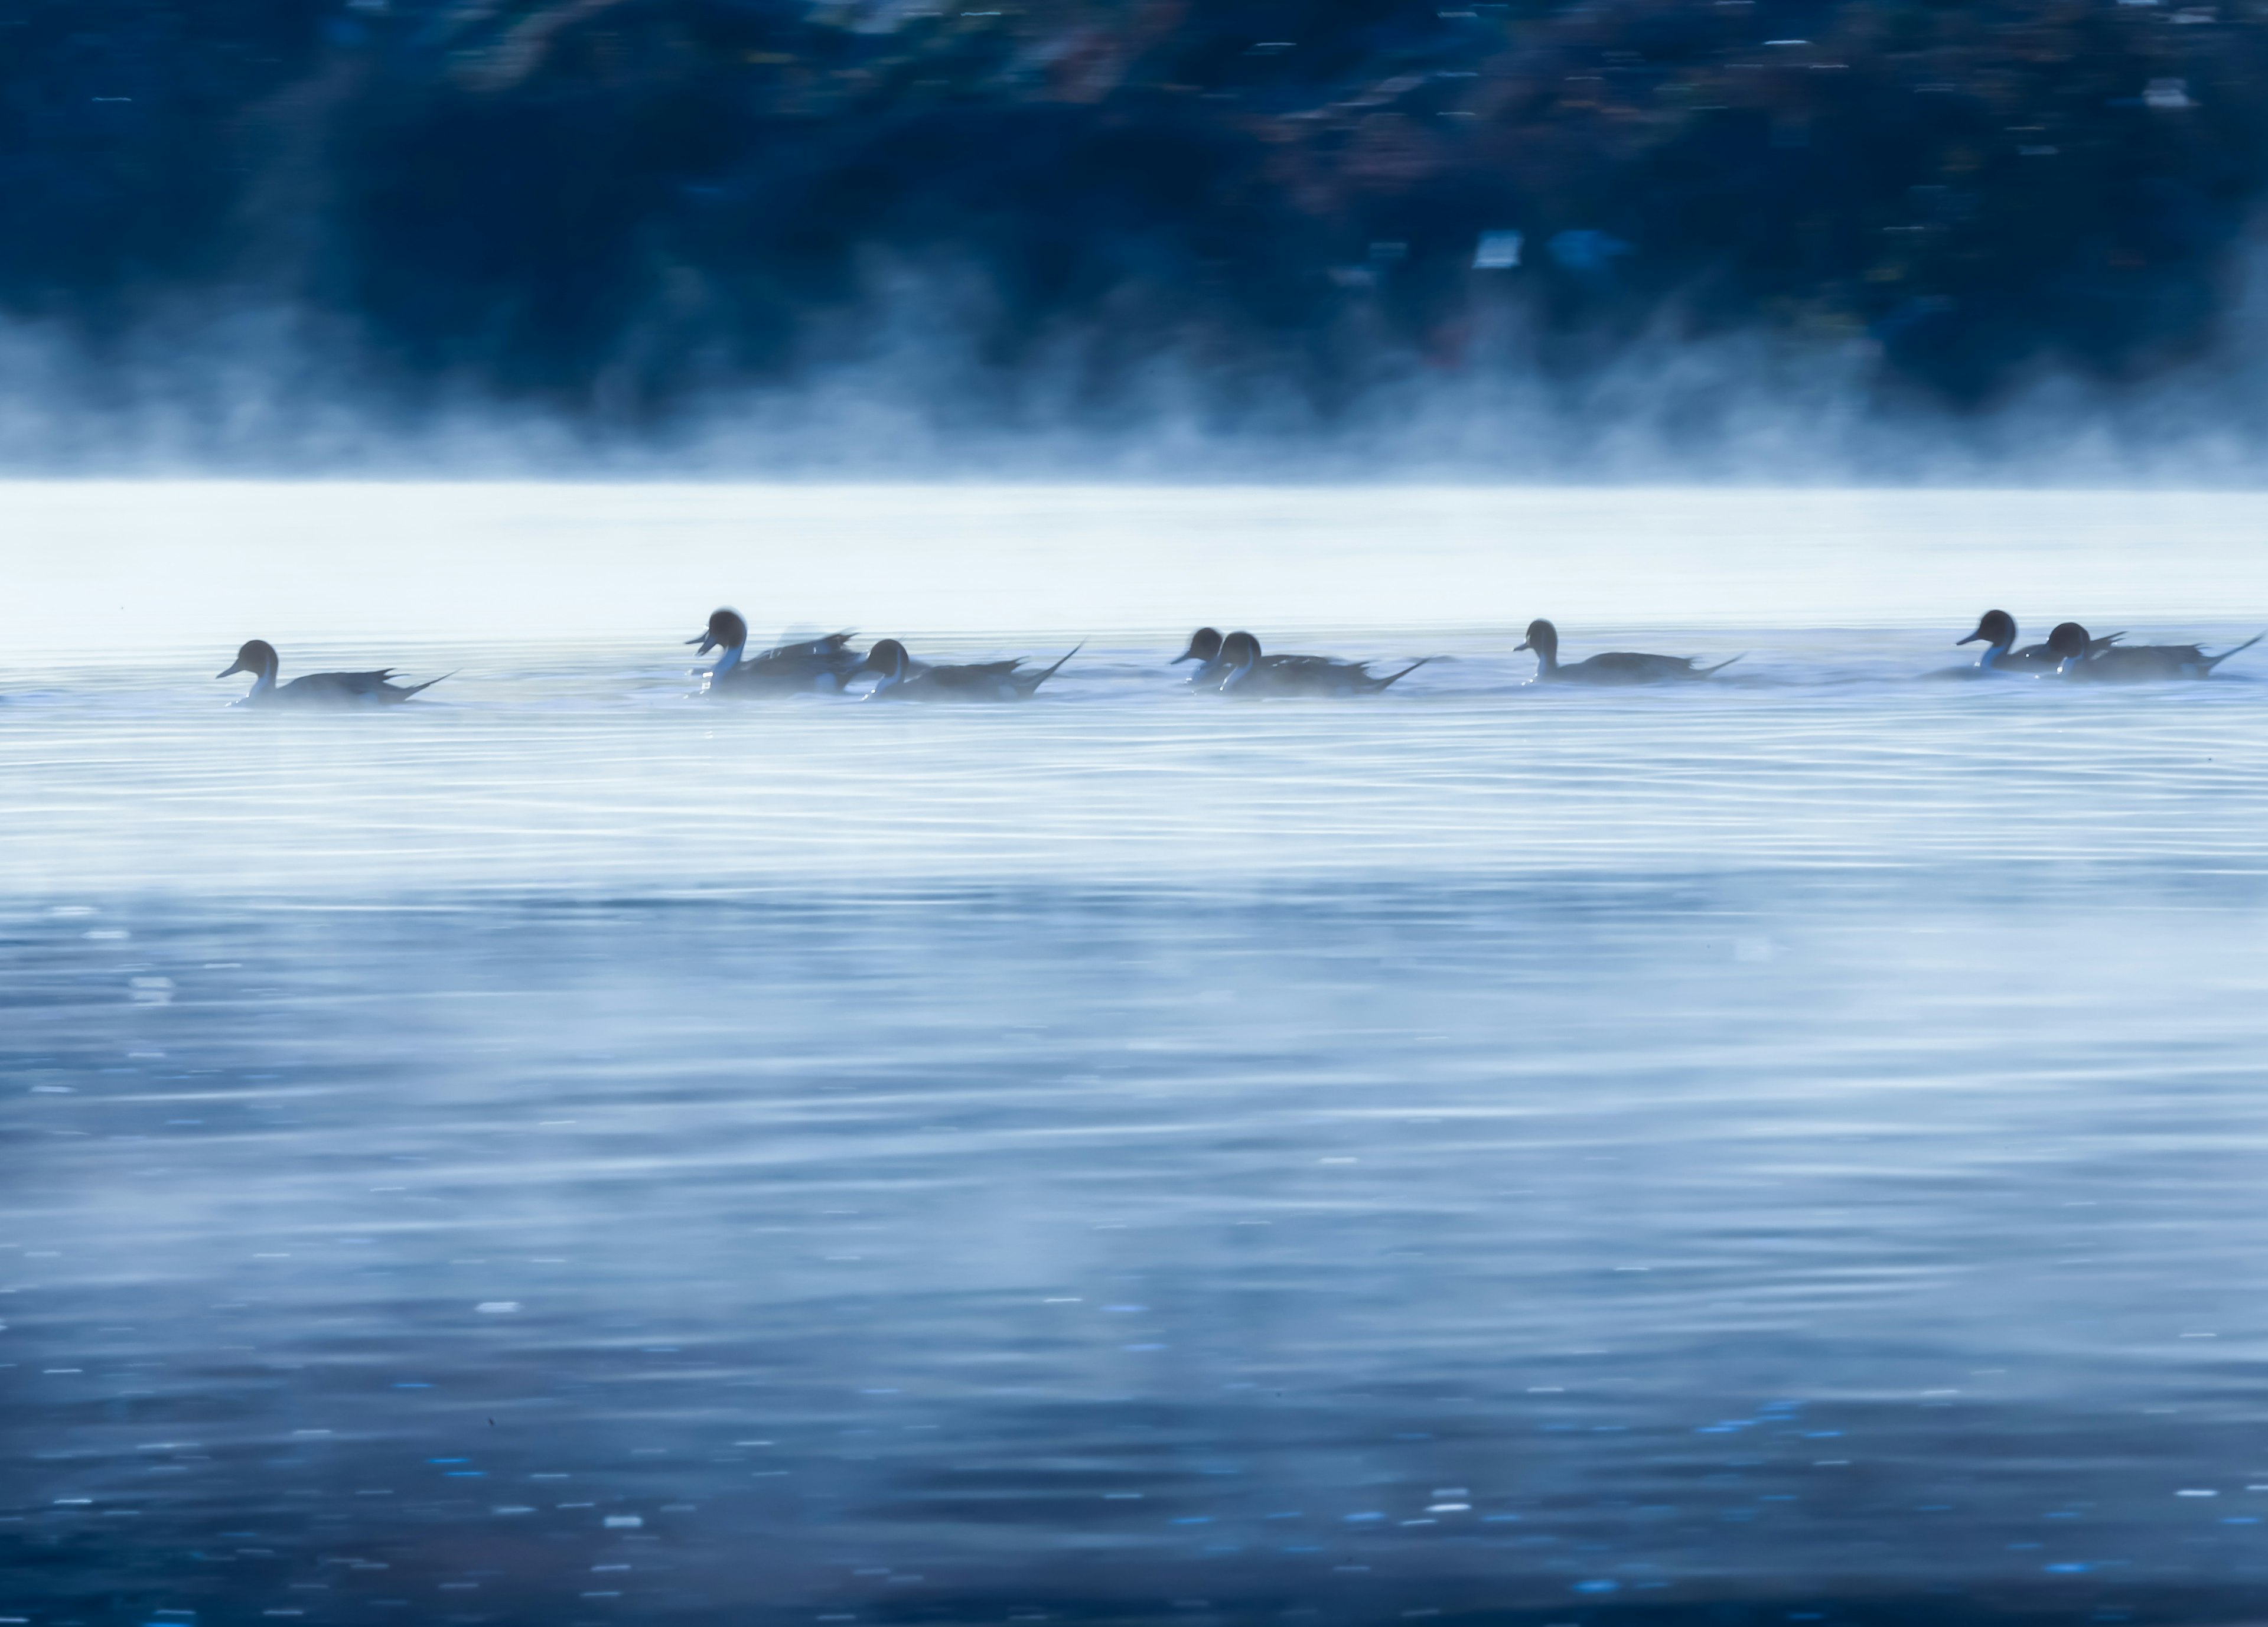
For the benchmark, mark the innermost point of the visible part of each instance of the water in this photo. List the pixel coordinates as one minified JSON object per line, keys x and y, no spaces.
{"x":1783,"y":1150}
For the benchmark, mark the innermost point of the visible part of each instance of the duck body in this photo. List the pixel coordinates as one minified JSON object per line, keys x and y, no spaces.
{"x":1614,"y":667}
{"x":822,"y":666}
{"x":2080,"y":661}
{"x":904,"y":679}
{"x":1626,"y":666}
{"x":257,"y":657}
{"x":1249,"y":672}
{"x":1997,"y":631}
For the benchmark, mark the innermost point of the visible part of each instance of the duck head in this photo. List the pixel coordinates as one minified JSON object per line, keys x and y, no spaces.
{"x":888,"y":658}
{"x":258,"y":658}
{"x":1240,"y":653}
{"x":1543,"y":638}
{"x":2068,"y":644}
{"x":1204,"y":647}
{"x":726,"y":631}
{"x":1998,"y":629}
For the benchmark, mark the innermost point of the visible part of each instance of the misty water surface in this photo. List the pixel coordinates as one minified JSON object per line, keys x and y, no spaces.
{"x":1786,"y":1149}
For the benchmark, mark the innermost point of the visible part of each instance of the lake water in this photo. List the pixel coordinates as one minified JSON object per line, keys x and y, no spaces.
{"x":1786,"y":1149}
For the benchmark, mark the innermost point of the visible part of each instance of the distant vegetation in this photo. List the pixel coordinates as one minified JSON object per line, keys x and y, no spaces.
{"x":617,"y":206}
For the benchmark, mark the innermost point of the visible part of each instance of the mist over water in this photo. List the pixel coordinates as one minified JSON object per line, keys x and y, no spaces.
{"x":1780,"y":1149}
{"x":1790,"y":241}
{"x":142,"y":574}
{"x":901,"y":388}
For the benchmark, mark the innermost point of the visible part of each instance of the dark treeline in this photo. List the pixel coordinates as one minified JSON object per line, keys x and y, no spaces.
{"x":579,"y":203}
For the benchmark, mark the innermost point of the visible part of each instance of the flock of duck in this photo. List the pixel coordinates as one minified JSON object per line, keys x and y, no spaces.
{"x":1233,"y":664}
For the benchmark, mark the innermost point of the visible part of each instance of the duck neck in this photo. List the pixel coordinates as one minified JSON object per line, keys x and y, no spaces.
{"x":1547,"y":661}
{"x":264,"y":684}
{"x":727,"y":658}
{"x":1992,"y":654}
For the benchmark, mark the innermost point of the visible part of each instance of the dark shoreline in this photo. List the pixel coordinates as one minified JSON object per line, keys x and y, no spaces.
{"x":612,"y":217}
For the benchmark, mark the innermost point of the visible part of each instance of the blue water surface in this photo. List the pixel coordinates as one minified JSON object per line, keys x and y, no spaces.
{"x":1788,"y":1150}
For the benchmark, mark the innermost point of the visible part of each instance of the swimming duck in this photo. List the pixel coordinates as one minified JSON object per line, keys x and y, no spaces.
{"x":2078,"y":657}
{"x":1251,"y":673}
{"x":1998,"y":629}
{"x":904,"y":679}
{"x":823,"y":664}
{"x":257,"y":657}
{"x":1205,"y":649}
{"x":1616,"y":666}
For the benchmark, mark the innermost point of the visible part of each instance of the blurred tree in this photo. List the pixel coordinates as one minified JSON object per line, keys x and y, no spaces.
{"x":614,"y":206}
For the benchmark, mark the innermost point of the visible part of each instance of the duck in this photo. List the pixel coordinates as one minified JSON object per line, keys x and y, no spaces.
{"x":1616,"y":666}
{"x":1205,"y":649}
{"x":1249,"y":672}
{"x":2079,"y":658}
{"x":823,"y":664}
{"x":904,"y":679}
{"x":1998,"y":629}
{"x":257,"y":657}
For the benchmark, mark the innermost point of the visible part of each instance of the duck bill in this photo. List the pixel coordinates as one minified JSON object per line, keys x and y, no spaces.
{"x":229,"y":672}
{"x":1522,"y":644}
{"x":1972,"y":638}
{"x":1186,"y":655}
{"x":707,"y":641}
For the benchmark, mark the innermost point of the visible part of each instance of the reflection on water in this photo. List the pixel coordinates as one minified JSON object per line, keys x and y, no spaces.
{"x":1787,"y":1150}
{"x":1521,"y":1244}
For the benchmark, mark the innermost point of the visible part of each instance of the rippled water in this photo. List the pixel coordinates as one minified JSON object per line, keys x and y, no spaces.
{"x":1784,"y":1150}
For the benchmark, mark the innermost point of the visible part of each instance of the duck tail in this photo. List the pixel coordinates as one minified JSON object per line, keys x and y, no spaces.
{"x":2212,"y":662}
{"x":1703,"y":672}
{"x":417,"y":689}
{"x":1380,"y":683}
{"x":1035,"y":680}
